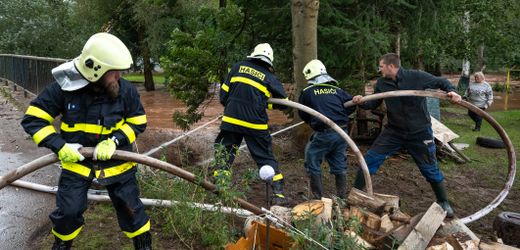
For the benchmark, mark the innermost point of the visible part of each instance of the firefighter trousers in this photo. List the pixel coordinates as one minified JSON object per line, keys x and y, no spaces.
{"x":71,"y":203}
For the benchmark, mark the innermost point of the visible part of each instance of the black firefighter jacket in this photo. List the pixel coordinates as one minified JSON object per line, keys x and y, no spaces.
{"x":328,"y":100}
{"x":244,"y":95}
{"x":88,"y":117}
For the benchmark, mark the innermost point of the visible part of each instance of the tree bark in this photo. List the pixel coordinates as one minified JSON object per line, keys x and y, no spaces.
{"x":305,"y":41}
{"x":147,"y":66}
{"x":305,"y":48}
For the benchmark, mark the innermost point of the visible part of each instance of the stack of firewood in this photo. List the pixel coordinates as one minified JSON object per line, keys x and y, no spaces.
{"x":386,"y":227}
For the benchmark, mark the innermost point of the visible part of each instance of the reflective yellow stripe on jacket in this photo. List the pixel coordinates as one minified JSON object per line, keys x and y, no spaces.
{"x":43,"y":133}
{"x":90,"y":128}
{"x":253,"y":83}
{"x":244,"y":123}
{"x":107,"y":172}
{"x":37,"y":112}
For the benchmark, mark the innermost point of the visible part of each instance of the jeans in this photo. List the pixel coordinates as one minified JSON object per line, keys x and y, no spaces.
{"x":420,"y":145}
{"x":329,"y":145}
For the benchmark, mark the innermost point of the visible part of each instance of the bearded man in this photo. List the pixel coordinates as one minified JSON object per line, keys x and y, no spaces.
{"x":98,"y":109}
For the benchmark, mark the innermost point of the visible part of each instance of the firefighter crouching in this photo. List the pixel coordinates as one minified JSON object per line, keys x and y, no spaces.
{"x":99,"y":109}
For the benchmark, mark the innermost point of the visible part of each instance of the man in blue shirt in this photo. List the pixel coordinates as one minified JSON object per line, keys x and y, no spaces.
{"x":409,"y":124}
{"x":324,"y":96}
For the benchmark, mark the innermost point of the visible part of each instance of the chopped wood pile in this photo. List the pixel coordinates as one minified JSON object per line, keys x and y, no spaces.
{"x":384,"y":226}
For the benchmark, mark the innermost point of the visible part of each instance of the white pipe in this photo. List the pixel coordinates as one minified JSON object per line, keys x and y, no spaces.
{"x":243,"y":146}
{"x":147,"y":202}
{"x":166,"y":144}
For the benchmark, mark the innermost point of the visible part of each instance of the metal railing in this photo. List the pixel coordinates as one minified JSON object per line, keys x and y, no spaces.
{"x":29,"y":72}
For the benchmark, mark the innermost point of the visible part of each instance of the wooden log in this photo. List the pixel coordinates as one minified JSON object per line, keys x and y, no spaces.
{"x":373,"y":221}
{"x":443,"y":246}
{"x":495,"y":246}
{"x":359,"y":198}
{"x":358,"y":213}
{"x":462,"y":241}
{"x":391,"y":202}
{"x":360,"y":241}
{"x":400,"y":217}
{"x":326,"y":214}
{"x":423,"y":232}
{"x":386,"y":224}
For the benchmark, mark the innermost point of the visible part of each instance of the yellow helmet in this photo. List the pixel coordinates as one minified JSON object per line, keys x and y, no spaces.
{"x":102,"y":52}
{"x":263,"y":52}
{"x":316,"y":73}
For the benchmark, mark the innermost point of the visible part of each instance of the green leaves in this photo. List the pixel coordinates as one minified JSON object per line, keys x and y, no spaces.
{"x":199,"y":54}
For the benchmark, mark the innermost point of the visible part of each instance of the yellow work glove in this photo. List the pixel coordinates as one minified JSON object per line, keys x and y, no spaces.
{"x":69,"y":153}
{"x":104,"y":150}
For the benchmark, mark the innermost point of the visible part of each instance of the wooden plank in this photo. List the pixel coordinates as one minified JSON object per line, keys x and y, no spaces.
{"x":495,"y":246}
{"x":455,"y":226}
{"x":423,"y":232}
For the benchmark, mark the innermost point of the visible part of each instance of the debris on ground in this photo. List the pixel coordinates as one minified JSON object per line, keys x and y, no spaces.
{"x":383,"y":225}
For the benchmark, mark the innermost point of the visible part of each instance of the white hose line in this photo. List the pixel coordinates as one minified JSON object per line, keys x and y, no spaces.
{"x":166,"y":144}
{"x":147,"y":202}
{"x":243,"y":146}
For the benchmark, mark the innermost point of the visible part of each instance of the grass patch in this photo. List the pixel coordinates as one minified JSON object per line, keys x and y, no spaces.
{"x":487,"y":162}
{"x":139,"y":77}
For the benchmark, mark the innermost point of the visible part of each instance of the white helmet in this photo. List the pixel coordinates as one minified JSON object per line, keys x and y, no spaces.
{"x":316,"y":73}
{"x":263,"y":52}
{"x":102,"y":52}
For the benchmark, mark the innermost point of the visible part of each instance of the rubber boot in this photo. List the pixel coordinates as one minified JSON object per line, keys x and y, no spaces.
{"x":278,"y":197}
{"x":341,"y":185}
{"x":442,"y":198}
{"x":61,"y":245}
{"x":359,"y":182}
{"x":316,"y":186}
{"x":477,"y":127}
{"x":143,"y":241}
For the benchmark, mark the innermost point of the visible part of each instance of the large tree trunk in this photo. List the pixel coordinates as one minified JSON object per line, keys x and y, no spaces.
{"x":147,"y":66}
{"x":305,"y":48}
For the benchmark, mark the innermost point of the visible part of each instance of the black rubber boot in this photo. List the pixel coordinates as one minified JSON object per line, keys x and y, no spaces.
{"x":61,"y":245}
{"x":278,"y":197}
{"x":316,"y":186}
{"x":341,"y":185}
{"x":477,"y":127}
{"x":143,"y":241}
{"x":359,"y":182}
{"x":442,"y":198}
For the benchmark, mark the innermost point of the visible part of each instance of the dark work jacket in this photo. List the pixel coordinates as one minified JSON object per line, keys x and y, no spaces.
{"x":328,"y":100}
{"x":410,"y":113}
{"x":88,"y":117}
{"x":244,"y":95}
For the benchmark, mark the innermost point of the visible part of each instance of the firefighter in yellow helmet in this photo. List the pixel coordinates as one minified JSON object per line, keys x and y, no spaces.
{"x":102,"y":110}
{"x":244,"y":95}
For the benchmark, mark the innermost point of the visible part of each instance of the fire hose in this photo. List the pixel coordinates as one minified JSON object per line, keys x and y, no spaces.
{"x":503,"y":135}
